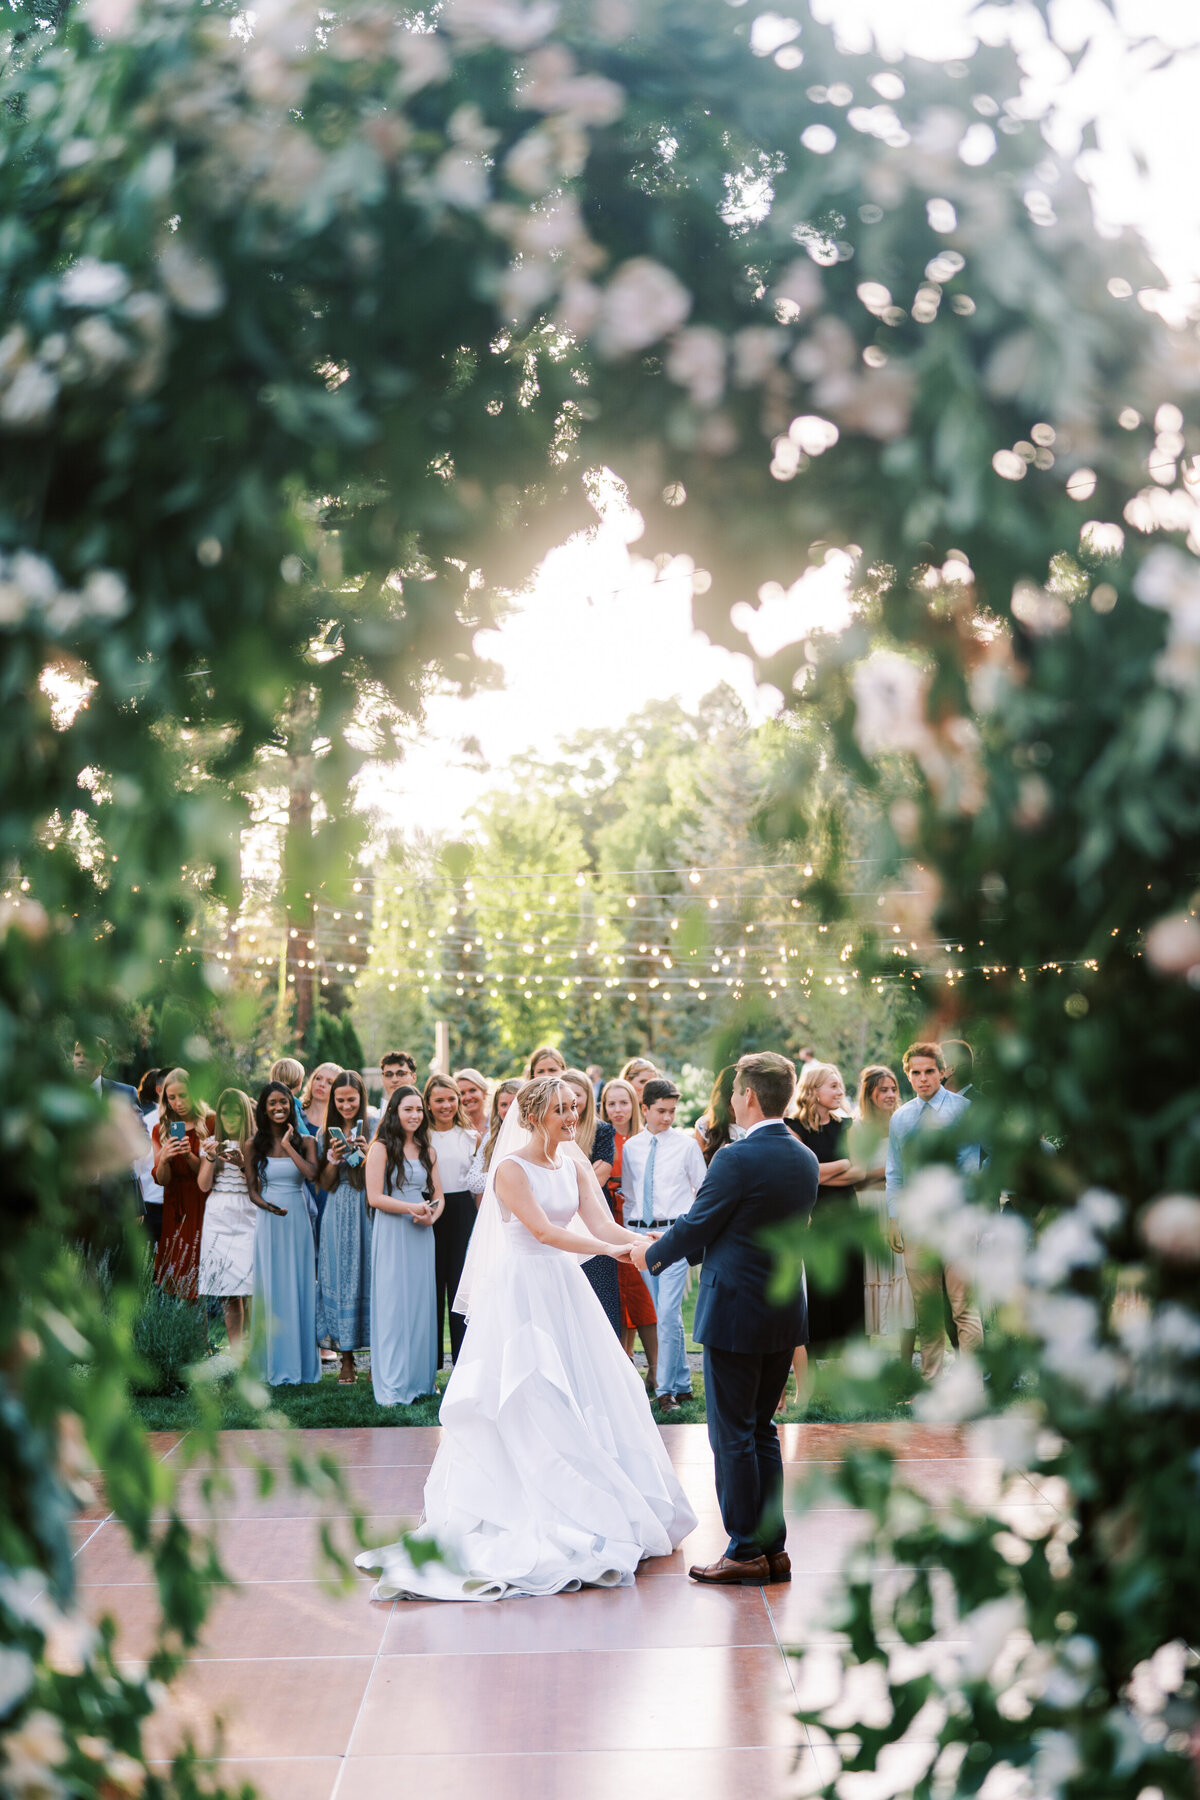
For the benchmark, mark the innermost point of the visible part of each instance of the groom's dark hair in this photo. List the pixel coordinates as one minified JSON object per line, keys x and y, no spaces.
{"x":771,"y":1077}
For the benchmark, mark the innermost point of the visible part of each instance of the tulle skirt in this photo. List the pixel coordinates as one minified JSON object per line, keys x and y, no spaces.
{"x":551,"y":1474}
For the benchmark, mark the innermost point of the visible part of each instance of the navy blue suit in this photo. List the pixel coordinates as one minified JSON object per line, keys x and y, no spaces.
{"x":768,"y":1179}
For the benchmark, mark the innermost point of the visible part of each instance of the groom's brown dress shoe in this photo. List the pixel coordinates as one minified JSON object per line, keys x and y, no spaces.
{"x":780,"y":1565}
{"x":728,"y":1573}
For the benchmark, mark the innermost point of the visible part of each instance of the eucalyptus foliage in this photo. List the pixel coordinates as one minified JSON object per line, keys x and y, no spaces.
{"x":315,"y":333}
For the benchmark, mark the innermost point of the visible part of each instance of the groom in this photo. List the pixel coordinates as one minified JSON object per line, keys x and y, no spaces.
{"x":766,"y":1179}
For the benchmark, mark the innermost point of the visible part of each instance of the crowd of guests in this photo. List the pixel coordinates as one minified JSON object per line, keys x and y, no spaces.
{"x":340,"y":1227}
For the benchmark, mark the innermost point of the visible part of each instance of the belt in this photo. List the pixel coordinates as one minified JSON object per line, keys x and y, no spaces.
{"x":654,"y":1225}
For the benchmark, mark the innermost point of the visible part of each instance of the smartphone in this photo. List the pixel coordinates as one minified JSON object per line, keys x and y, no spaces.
{"x":230,"y":1145}
{"x":338,"y":1135}
{"x":177,"y":1129}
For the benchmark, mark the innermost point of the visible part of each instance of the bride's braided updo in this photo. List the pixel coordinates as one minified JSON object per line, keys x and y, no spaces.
{"x":535,"y":1100}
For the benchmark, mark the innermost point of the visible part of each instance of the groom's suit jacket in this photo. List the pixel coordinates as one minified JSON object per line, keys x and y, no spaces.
{"x":766,"y":1179}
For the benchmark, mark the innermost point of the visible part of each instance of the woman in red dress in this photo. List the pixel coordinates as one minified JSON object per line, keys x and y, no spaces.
{"x":619,"y":1105}
{"x":176,"y":1166}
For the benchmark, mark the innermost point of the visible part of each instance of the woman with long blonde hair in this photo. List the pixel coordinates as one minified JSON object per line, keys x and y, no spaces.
{"x":227,"y":1233}
{"x":183,"y":1123}
{"x":819,"y":1118}
{"x":637,"y":1072}
{"x":888,"y":1301}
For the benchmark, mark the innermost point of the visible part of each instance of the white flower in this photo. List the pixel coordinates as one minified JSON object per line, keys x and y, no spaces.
{"x":958,"y":1393}
{"x":90,"y":282}
{"x":1056,"y":1757}
{"x":756,"y":351}
{"x":1040,"y":612}
{"x":194,"y":284}
{"x":16,"y":1677}
{"x":1069,"y":1243}
{"x":1167,"y":579}
{"x":1171,"y":1227}
{"x":578,"y":307}
{"x":798,"y":291}
{"x":14,"y":349}
{"x":32,"y":1752}
{"x":460,"y":179}
{"x":109,"y":18}
{"x":557,"y":227}
{"x":524,"y":286}
{"x":424,"y":61}
{"x":696,"y":361}
{"x":1173,"y":944}
{"x":641,"y":304}
{"x":531,"y":165}
{"x":34,"y":576}
{"x":552,"y":86}
{"x":988,"y":1630}
{"x":1104,"y":1210}
{"x":105,"y":595}
{"x":500,"y":22}
{"x":889,"y":700}
{"x":29,"y":398}
{"x":103,"y":348}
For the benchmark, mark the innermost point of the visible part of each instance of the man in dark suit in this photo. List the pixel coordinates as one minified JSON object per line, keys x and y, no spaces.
{"x":766,"y":1180}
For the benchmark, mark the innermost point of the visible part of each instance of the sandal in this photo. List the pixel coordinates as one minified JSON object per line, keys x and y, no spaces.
{"x":347,"y":1380}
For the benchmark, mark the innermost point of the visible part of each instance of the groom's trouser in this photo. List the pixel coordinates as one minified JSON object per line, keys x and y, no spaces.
{"x":741,"y":1392}
{"x":673,"y":1375}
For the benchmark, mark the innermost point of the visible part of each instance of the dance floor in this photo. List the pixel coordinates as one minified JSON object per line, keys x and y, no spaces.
{"x":680,"y":1691}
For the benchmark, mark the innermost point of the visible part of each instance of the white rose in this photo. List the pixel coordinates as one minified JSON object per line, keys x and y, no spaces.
{"x":889,"y":700}
{"x":90,"y":282}
{"x":696,"y":361}
{"x":29,"y":399}
{"x":1170,"y":1227}
{"x":194,"y":283}
{"x":641,"y":304}
{"x":460,"y":179}
{"x":500,"y":22}
{"x":530,"y":165}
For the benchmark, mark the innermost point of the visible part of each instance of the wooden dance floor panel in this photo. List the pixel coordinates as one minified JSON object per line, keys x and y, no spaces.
{"x":680,"y":1690}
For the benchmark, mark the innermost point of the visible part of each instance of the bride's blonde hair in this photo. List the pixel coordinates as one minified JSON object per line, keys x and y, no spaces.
{"x":534,"y":1102}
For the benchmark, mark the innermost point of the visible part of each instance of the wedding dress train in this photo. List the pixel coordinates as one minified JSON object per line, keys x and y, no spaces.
{"x":551,"y":1473}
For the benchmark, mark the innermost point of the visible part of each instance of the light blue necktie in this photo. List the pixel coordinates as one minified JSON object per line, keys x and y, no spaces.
{"x":648,"y":1183}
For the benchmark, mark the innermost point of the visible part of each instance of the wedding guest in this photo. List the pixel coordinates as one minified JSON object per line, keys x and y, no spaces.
{"x":637,"y":1072}
{"x":183,"y":1122}
{"x":344,"y":1252}
{"x":111,"y":1195}
{"x":717,"y":1126}
{"x":281,"y":1161}
{"x":545,"y":1061}
{"x":314,"y":1107}
{"x":506,"y":1092}
{"x":473,"y":1090}
{"x":149,"y":1089}
{"x":455,"y":1144}
{"x":227,"y":1234}
{"x":933,"y":1108}
{"x":662,"y":1174}
{"x":404,"y":1191}
{"x":291,"y":1073}
{"x":960,"y":1068}
{"x":807,"y":1054}
{"x":888,"y":1301}
{"x":818,"y":1119}
{"x":595,"y":1138}
{"x":396,"y":1069}
{"x":595,"y":1075}
{"x":619,"y":1105}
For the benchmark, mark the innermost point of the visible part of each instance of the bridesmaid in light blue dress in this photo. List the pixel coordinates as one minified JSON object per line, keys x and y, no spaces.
{"x":284,"y":1351}
{"x":405,"y":1193}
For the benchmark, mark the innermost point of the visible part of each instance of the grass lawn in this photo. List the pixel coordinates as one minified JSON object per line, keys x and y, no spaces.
{"x":325,"y":1403}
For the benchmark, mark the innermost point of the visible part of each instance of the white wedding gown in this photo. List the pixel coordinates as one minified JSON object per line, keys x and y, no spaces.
{"x":551,"y":1473}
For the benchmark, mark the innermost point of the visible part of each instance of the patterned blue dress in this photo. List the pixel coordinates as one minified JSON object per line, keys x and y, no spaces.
{"x":344,"y":1267}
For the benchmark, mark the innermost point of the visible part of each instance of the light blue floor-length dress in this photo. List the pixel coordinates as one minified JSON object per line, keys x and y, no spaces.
{"x":344,"y":1268}
{"x":284,"y":1318}
{"x":403,"y":1298}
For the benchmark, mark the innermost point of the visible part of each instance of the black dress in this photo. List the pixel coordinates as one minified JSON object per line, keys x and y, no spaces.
{"x":602,"y":1270}
{"x":834,"y":1314}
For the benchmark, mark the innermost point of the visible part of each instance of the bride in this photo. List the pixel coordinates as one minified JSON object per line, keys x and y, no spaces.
{"x":551,"y":1473}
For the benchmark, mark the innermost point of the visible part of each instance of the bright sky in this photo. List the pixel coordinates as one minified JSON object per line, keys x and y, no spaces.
{"x":601,"y":633}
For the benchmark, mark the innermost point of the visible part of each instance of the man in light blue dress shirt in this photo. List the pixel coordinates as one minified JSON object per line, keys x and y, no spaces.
{"x":661,"y":1172}
{"x":933,"y":1109}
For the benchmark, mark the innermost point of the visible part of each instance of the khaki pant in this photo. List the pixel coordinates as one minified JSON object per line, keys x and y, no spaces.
{"x":925,"y":1274}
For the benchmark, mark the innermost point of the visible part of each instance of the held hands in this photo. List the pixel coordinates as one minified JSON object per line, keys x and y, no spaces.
{"x":637,"y":1252}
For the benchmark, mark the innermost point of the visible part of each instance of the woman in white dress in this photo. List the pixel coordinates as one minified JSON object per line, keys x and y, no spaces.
{"x":227,"y":1234}
{"x":551,"y":1473}
{"x":888,"y":1302}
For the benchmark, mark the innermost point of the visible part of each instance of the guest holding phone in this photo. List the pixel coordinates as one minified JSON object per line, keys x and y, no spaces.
{"x":183,"y":1122}
{"x":619,"y":1106}
{"x":227,"y":1236}
{"x":455,"y":1144}
{"x":344,"y":1254}
{"x":281,"y":1160}
{"x":405,"y":1193}
{"x":314,"y":1104}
